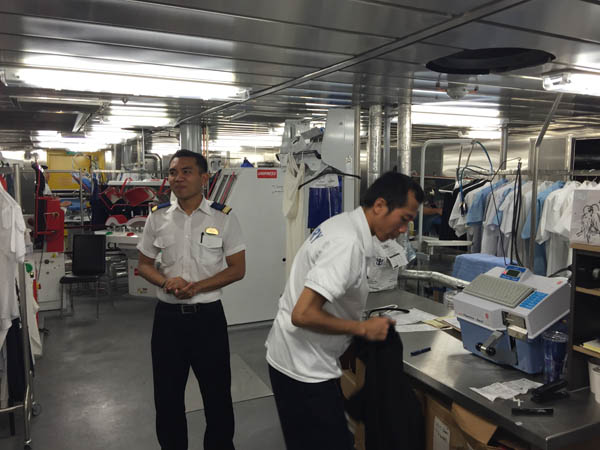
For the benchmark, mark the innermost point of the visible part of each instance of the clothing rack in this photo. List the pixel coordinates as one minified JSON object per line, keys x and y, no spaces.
{"x":28,"y":404}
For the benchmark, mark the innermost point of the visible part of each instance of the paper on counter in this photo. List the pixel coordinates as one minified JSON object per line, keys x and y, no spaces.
{"x":506,"y":390}
{"x":415,"y":327}
{"x":452,"y":321}
{"x":523,"y":385}
{"x":414,"y":316}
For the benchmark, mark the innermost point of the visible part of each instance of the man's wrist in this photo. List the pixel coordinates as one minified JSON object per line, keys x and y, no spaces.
{"x":359,"y":329}
{"x":162,"y":286}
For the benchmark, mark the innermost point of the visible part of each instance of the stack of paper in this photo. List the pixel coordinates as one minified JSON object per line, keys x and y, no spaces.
{"x":594,"y":345}
{"x":507,"y":390}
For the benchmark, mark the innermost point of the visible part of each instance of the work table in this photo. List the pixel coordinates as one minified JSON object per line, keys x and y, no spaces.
{"x":450,"y":370}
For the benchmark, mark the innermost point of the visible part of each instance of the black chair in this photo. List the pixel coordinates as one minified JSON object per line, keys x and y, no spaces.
{"x":89,"y":264}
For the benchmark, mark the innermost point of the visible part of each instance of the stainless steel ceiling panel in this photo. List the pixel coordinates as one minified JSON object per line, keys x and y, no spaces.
{"x":571,"y":18}
{"x":479,"y":35}
{"x":180,"y":21}
{"x":421,"y":53}
{"x":376,"y":18}
{"x":116,"y":43}
{"x":453,"y":7}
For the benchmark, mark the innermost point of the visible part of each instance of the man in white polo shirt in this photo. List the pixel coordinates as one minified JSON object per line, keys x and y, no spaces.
{"x":320,"y":311}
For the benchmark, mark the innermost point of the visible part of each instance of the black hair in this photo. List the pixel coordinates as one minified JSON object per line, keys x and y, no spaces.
{"x":200,"y":160}
{"x":393,"y":187}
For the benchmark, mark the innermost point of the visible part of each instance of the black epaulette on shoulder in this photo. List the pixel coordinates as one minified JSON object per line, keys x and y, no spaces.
{"x":162,"y":205}
{"x":221,"y":207}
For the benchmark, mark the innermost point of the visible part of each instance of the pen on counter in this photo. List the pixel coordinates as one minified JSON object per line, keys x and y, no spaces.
{"x":418,"y":352}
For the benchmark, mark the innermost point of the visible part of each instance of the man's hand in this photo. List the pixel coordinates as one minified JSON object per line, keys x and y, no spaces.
{"x":376,"y":328}
{"x":173,"y":285}
{"x":188,"y":291}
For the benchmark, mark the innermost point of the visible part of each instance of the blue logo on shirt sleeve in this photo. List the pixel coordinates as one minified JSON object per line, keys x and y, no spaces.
{"x":316,"y":234}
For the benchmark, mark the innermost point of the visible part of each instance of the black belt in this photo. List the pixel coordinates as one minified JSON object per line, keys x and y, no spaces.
{"x":185,"y":308}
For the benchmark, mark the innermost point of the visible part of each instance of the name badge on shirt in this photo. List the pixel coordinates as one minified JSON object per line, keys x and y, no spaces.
{"x":212,"y":231}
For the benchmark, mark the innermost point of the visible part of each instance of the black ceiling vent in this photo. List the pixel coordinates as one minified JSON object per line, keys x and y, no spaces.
{"x":482,"y":61}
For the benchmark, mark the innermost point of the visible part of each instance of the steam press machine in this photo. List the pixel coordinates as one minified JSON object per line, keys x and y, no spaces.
{"x":504,"y":312}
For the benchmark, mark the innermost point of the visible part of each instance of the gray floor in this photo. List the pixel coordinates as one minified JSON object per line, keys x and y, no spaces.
{"x":94,"y":384}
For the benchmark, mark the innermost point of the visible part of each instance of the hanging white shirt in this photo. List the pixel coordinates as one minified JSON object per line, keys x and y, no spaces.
{"x":558,"y":254}
{"x":293,"y":211}
{"x":12,"y":252}
{"x":333,"y":263}
{"x":490,"y":240}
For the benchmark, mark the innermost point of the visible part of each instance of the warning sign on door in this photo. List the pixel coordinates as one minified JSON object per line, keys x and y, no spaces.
{"x":266,"y":173}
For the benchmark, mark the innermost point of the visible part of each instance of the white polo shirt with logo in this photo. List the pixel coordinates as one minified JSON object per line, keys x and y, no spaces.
{"x":332,"y":262}
{"x":192,"y":247}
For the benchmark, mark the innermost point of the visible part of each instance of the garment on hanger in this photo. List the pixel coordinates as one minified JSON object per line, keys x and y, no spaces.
{"x":323,"y":203}
{"x":558,"y":254}
{"x":12,"y":252}
{"x":446,"y":231}
{"x":458,"y":216}
{"x":491,"y":241}
{"x":293,"y":210}
{"x":539,"y":258}
{"x":476,"y":213}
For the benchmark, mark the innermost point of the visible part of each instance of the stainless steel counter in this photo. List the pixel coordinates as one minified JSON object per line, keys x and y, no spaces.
{"x":451,"y":371}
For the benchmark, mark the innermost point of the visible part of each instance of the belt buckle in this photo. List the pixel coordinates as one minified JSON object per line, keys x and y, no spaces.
{"x":187,"y":309}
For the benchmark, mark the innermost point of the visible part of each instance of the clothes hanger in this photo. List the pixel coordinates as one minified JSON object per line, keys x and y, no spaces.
{"x":328,"y":170}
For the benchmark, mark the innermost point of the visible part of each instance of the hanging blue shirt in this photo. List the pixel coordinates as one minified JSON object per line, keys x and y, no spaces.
{"x":539,"y":255}
{"x":476,"y":211}
{"x":497,"y":220}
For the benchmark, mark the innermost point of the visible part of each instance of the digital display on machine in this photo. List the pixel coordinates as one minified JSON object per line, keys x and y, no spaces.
{"x":513,"y":273}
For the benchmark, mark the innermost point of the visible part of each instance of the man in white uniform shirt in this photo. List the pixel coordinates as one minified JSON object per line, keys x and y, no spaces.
{"x":320,"y":311}
{"x":201,"y":250}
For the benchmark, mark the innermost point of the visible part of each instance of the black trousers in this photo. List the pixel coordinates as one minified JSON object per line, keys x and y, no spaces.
{"x":311,"y":414}
{"x":198,"y":340}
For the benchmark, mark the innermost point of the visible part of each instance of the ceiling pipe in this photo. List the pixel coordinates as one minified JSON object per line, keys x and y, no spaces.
{"x":455,"y":22}
{"x":374,"y":145}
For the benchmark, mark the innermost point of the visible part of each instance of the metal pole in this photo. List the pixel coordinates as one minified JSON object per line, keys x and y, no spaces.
{"x":356,"y":154}
{"x":81,"y":196}
{"x":27,"y":401}
{"x":387,"y":131}
{"x":534,"y":171}
{"x":18,"y":184}
{"x":503,"y":147}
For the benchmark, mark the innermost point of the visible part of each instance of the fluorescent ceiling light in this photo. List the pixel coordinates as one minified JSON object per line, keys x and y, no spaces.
{"x":127,"y":68}
{"x":133,"y":121}
{"x":90,"y":142}
{"x":126,"y":84}
{"x":586,"y":83}
{"x":442,"y":108}
{"x":481,"y":134}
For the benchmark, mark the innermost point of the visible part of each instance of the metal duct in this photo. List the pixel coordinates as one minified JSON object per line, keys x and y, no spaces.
{"x":190,"y":137}
{"x":445,"y":280}
{"x":386,"y":159}
{"x":374,"y":145}
{"x":357,"y":154}
{"x":159,"y":163}
{"x":404,"y":129}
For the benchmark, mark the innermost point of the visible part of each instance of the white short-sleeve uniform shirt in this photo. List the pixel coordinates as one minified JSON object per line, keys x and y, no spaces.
{"x":332,"y":262}
{"x":192,"y":247}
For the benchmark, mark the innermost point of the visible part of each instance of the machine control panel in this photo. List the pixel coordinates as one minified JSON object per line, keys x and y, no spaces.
{"x":514,"y":273}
